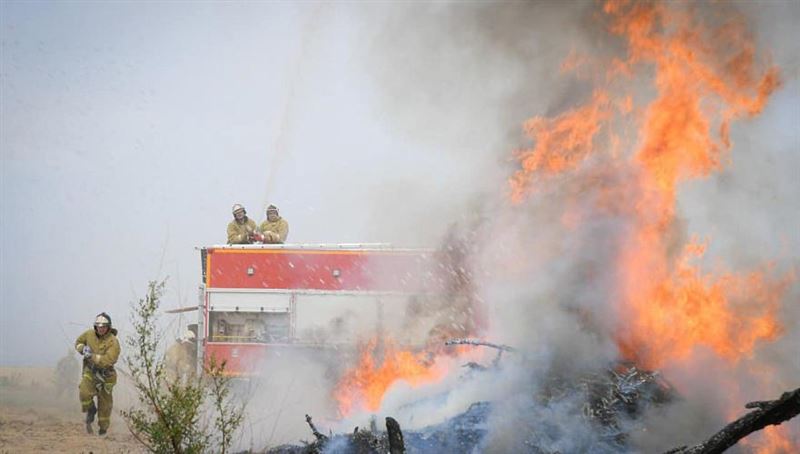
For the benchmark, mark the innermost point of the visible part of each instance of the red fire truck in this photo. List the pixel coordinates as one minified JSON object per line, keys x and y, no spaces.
{"x":257,"y":298}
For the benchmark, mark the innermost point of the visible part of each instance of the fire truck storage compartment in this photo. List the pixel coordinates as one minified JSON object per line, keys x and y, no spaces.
{"x":249,"y":316}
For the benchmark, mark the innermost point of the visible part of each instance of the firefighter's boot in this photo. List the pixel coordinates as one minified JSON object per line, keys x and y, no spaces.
{"x":90,"y":417}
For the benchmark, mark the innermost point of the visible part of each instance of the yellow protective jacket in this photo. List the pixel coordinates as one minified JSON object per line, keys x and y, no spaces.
{"x":280,"y":229}
{"x":179,"y":360}
{"x":105,"y":350}
{"x":240,"y":233}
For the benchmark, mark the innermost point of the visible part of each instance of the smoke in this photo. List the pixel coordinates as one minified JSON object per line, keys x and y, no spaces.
{"x":289,"y":384}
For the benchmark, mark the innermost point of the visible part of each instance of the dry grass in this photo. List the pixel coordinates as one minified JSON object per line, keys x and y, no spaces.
{"x":35,"y":417}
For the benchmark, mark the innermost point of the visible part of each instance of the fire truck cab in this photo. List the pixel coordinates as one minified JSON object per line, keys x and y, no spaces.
{"x":256,"y":298}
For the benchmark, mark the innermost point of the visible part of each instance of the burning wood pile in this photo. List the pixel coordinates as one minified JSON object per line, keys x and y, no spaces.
{"x":609,"y":399}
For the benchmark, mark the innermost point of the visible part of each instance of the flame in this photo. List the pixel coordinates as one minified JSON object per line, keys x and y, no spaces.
{"x":561,"y":143}
{"x":687,"y":309}
{"x":700,"y":77}
{"x":363,"y":386}
{"x":773,"y":440}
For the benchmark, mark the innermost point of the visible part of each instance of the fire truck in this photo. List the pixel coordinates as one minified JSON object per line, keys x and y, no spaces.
{"x":260,"y":298}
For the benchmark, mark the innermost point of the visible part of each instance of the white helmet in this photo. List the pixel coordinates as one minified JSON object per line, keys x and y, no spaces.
{"x":237,"y":207}
{"x":189,"y":336}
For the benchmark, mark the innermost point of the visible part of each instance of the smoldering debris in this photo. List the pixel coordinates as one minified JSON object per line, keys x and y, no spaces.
{"x":609,"y":401}
{"x":462,"y":433}
{"x":622,"y":392}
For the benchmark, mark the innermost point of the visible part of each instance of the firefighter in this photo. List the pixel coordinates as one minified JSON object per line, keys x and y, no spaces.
{"x":67,"y":374}
{"x":100,"y":349}
{"x":275,"y":229}
{"x":241,"y":229}
{"x":180,"y":358}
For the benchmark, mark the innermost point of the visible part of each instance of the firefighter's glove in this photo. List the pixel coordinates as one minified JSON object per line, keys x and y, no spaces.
{"x":87,"y":352}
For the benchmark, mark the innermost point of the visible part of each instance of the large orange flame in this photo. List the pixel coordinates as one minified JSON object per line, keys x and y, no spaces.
{"x":686,"y":309}
{"x":363,"y":386}
{"x":703,"y":77}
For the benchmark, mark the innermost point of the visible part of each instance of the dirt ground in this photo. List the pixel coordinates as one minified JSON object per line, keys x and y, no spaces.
{"x":37,"y":415}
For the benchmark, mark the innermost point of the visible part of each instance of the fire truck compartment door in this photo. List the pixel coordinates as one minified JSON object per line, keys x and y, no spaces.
{"x":248,"y":301}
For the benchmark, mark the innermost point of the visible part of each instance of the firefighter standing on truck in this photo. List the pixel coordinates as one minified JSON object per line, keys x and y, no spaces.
{"x":275,"y":229}
{"x":100,"y":349}
{"x":242,"y":228}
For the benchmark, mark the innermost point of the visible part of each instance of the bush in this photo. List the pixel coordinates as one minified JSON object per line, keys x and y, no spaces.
{"x":192,"y":415}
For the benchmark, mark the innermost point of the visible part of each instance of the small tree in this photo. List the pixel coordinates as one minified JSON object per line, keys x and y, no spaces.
{"x":173,"y":417}
{"x":228,"y":416}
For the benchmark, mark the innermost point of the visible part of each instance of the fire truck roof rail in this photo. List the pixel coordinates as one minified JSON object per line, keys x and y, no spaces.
{"x":305,"y":246}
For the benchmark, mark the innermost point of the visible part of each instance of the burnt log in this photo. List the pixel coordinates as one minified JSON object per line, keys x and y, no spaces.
{"x":767,"y":413}
{"x":395,"y":435}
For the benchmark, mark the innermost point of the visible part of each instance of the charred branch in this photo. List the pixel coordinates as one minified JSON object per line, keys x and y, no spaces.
{"x":479,"y":343}
{"x":762,"y":404}
{"x":767,"y":413}
{"x":475,"y":366}
{"x":321,"y":438}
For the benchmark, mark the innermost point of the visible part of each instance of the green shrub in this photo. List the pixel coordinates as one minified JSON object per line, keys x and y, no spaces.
{"x":192,"y":415}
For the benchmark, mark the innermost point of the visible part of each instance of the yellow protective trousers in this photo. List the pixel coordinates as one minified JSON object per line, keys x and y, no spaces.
{"x":94,"y":383}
